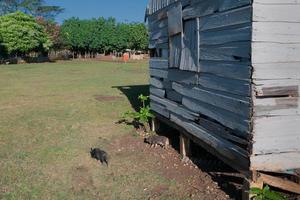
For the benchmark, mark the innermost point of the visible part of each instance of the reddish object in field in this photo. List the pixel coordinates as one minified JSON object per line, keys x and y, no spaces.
{"x":125,"y":57}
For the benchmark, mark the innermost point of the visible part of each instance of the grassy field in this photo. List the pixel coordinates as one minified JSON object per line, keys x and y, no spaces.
{"x":52,"y":114}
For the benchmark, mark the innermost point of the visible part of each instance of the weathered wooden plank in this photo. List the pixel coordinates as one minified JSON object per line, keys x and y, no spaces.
{"x":276,"y":162}
{"x":159,"y":43}
{"x":221,"y":146}
{"x":263,"y":52}
{"x":159,"y":109}
{"x":157,"y":92}
{"x":221,"y":131}
{"x":159,"y":15}
{"x":156,"y":83}
{"x":159,"y":63}
{"x":234,"y":105}
{"x":202,"y":7}
{"x":175,"y":75}
{"x":228,"y":18}
{"x":276,"y":106}
{"x":175,"y":19}
{"x":280,"y":183}
{"x":227,"y":69}
{"x":224,"y":117}
{"x":174,"y":107}
{"x":277,"y":88}
{"x":190,"y":47}
{"x":277,"y":126}
{"x":239,"y":87}
{"x":174,"y":96}
{"x":232,"y":34}
{"x":234,"y":51}
{"x":156,"y":34}
{"x":276,"y":13}
{"x":158,"y":73}
{"x":167,"y":84}
{"x":276,"y":71}
{"x":157,"y":24}
{"x":276,"y":144}
{"x":277,"y":32}
{"x":175,"y":50}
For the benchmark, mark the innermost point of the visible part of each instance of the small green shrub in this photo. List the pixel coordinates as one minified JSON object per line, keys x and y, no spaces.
{"x":265,"y":194}
{"x":143,"y":115}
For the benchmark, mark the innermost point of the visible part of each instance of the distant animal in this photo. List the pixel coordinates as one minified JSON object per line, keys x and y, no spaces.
{"x":100,"y":155}
{"x":156,"y":140}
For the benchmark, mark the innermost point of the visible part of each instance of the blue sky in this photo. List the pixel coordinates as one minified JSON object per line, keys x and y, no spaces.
{"x":130,"y":10}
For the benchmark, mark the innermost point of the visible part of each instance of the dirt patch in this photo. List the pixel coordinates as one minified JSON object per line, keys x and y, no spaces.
{"x":82,"y":180}
{"x":191,"y":181}
{"x":103,"y":98}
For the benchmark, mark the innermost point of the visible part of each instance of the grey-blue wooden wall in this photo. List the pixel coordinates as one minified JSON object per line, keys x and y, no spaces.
{"x":202,"y":80}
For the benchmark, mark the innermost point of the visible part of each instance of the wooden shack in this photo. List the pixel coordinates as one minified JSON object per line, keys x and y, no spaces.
{"x":226,"y":73}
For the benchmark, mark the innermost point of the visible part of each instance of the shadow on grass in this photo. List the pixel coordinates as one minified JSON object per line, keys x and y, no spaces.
{"x":132,"y":92}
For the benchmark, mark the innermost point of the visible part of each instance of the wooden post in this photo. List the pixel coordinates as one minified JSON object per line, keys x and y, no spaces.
{"x":255,"y":181}
{"x":184,"y":146}
{"x":154,"y":124}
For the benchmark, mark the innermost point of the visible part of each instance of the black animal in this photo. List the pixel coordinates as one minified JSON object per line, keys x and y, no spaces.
{"x":99,"y":154}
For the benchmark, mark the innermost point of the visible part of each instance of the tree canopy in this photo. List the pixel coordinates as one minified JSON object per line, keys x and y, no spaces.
{"x":103,"y":35}
{"x":37,"y":8}
{"x":20,"y":34}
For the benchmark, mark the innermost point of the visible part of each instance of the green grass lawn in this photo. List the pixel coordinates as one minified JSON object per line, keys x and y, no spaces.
{"x":50,"y":116}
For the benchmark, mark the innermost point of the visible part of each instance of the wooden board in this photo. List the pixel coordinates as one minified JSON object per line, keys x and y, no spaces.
{"x":275,"y":52}
{"x":203,"y":8}
{"x":232,"y":86}
{"x":276,"y":135}
{"x":216,"y":99}
{"x":159,"y":63}
{"x":276,"y":32}
{"x":159,"y":109}
{"x":290,"y":70}
{"x":175,"y":19}
{"x":227,"y":69}
{"x":175,"y":75}
{"x":283,"y":106}
{"x":157,"y":92}
{"x":221,"y":146}
{"x":277,"y":88}
{"x":156,"y":83}
{"x":232,"y":34}
{"x":175,"y":50}
{"x":231,"y":120}
{"x":224,"y":19}
{"x":175,"y":108}
{"x":174,"y":96}
{"x":221,"y":131}
{"x":159,"y":33}
{"x":276,"y":162}
{"x":190,"y":47}
{"x":234,"y":51}
{"x":273,"y":12}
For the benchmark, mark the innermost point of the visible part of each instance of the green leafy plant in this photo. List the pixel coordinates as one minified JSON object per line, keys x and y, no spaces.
{"x":265,"y":194}
{"x":143,"y":115}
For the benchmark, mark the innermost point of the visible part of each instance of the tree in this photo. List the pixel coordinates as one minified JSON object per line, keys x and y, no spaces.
{"x":21,"y":34}
{"x":103,"y":35}
{"x":37,"y":8}
{"x":52,"y":29}
{"x":138,"y":36}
